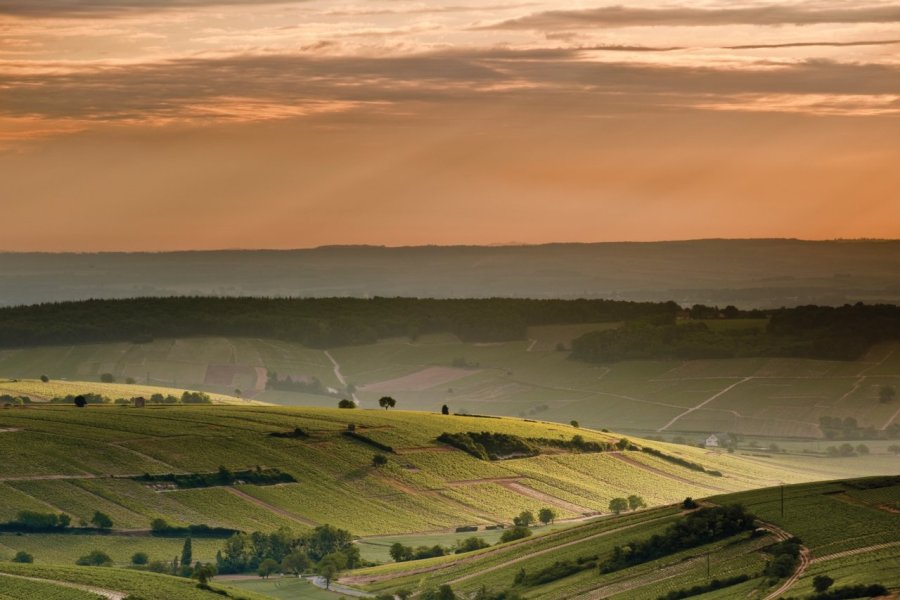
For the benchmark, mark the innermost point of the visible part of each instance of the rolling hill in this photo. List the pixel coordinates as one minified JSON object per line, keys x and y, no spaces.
{"x":77,"y":461}
{"x":747,"y":273}
{"x":772,"y":397}
{"x":848,"y":530}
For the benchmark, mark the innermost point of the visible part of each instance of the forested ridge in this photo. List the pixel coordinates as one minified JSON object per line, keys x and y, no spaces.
{"x":314,"y":322}
{"x":651,"y":330}
{"x":824,"y":332}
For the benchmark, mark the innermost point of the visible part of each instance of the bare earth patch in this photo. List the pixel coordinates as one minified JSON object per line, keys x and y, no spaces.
{"x":428,"y":377}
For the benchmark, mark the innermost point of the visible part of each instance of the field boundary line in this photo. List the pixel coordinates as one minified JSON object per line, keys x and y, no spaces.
{"x":108,"y":594}
{"x":705,"y":402}
{"x":846,"y":553}
{"x":554,"y":549}
{"x":273,"y":509}
{"x":639,"y":465}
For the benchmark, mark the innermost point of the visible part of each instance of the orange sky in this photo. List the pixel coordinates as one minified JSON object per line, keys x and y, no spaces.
{"x":180,"y":124}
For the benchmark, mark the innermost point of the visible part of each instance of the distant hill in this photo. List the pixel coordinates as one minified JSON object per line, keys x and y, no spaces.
{"x":745,"y":273}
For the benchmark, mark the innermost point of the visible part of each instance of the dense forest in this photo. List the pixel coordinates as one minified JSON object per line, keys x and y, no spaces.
{"x":314,"y":322}
{"x":824,"y":332}
{"x":651,"y":330}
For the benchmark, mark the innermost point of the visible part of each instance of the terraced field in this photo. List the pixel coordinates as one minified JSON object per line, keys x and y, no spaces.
{"x":781,"y":398}
{"x":853,"y":541}
{"x":77,"y":461}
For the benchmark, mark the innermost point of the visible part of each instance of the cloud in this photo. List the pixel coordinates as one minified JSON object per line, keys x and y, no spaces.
{"x":106,"y":8}
{"x":623,"y":16}
{"x":284,"y":86}
{"x":808,"y":44}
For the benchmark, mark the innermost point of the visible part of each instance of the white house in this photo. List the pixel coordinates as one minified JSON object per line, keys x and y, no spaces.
{"x":712,"y":441}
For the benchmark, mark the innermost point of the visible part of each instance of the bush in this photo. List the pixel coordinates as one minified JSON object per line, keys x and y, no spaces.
{"x":23,"y":557}
{"x":516,"y":533}
{"x":140,"y":558}
{"x":470,"y":545}
{"x":96,"y":558}
{"x":487,"y":445}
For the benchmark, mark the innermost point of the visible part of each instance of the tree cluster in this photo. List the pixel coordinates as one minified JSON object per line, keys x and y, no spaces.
{"x":698,"y":528}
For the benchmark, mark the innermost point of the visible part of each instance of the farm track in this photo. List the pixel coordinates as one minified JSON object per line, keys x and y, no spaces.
{"x":853,"y":552}
{"x":339,"y":375}
{"x":500,"y":480}
{"x":704,"y":403}
{"x":108,"y":594}
{"x":783,"y":535}
{"x":661,"y":473}
{"x":274,"y":509}
{"x":519,"y":488}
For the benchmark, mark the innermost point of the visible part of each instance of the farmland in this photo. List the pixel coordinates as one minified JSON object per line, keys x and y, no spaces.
{"x":860,"y":545}
{"x":778,"y":398}
{"x":78,"y":461}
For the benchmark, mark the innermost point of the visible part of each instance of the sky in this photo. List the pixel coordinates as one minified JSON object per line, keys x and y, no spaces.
{"x":203,"y":124}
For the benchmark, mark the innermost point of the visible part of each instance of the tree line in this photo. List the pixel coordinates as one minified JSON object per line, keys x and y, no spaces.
{"x":822,"y":332}
{"x":314,"y":322}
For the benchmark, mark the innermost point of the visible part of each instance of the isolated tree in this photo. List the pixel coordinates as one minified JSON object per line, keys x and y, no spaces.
{"x":101,"y":520}
{"x":44,"y":378}
{"x":267,"y":567}
{"x":636,"y":502}
{"x":80,"y":401}
{"x":546,"y":515}
{"x":623,"y":444}
{"x":524,"y":519}
{"x":130,"y":380}
{"x":379,"y":460}
{"x":107,"y":378}
{"x":23,"y":557}
{"x":344,"y":403}
{"x":329,"y":567}
{"x":238,"y":392}
{"x":822,"y":583}
{"x":140,"y":558}
{"x":862,"y":450}
{"x":445,"y":410}
{"x":689,"y":503}
{"x":187,"y":552}
{"x":887,"y":393}
{"x":574,"y":423}
{"x":387,"y":402}
{"x":618,"y":505}
{"x":203,"y":573}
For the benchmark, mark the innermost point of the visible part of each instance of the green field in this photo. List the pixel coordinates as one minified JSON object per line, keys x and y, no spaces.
{"x":855,"y":542}
{"x":771,"y":397}
{"x":77,"y":461}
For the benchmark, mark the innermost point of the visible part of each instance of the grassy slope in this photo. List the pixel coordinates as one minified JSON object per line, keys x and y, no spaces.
{"x":774,"y":397}
{"x":829,"y":517}
{"x":147,"y":586}
{"x":60,"y":458}
{"x":40,"y":391}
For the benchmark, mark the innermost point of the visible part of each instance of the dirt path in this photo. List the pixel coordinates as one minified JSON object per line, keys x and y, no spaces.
{"x":846,"y":553}
{"x":339,"y":375}
{"x":783,"y":535}
{"x":515,"y":486}
{"x":501,"y":480}
{"x":417,"y":449}
{"x":108,"y":594}
{"x":890,"y":420}
{"x":270,"y":508}
{"x":661,"y":473}
{"x":704,"y":403}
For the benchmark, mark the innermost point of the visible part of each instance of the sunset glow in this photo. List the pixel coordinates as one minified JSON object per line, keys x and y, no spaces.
{"x":183,"y":124}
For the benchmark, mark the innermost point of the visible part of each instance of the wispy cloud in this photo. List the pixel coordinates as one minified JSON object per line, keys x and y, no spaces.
{"x":623,"y":16}
{"x":105,"y":8}
{"x":812,"y":45}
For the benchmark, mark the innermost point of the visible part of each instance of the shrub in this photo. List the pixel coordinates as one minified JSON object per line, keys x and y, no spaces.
{"x":23,"y":557}
{"x":96,"y":558}
{"x":140,"y":558}
{"x":516,"y":533}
